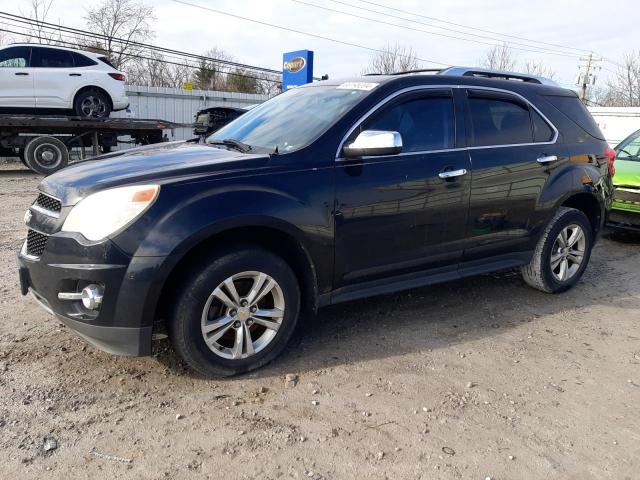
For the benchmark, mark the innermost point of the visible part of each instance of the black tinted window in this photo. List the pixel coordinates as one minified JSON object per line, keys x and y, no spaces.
{"x":542,"y":132}
{"x":52,"y":58}
{"x":80,"y":60}
{"x":15,"y":57}
{"x":573,"y":108}
{"x":499,"y":121}
{"x":426,"y":123}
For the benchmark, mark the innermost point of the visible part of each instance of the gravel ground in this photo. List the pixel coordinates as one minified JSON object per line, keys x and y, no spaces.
{"x":472,"y":379}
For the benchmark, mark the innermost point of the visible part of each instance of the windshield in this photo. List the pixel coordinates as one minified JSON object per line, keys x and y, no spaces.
{"x":291,"y":120}
{"x":629,"y":149}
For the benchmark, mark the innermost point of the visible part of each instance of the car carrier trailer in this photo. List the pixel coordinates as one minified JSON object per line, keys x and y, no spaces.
{"x":44,"y":142}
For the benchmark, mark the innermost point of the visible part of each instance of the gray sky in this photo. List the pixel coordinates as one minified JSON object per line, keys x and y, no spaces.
{"x":599,"y":26}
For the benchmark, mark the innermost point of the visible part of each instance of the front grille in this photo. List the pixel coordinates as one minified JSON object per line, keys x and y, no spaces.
{"x":36,"y":242}
{"x":48,"y":203}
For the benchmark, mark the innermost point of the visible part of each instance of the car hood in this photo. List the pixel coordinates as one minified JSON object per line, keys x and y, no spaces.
{"x":161,"y":163}
{"x":627,"y":174}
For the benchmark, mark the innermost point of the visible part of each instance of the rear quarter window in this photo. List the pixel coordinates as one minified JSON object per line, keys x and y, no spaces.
{"x":572,"y":108}
{"x":106,"y":61}
{"x":80,"y":60}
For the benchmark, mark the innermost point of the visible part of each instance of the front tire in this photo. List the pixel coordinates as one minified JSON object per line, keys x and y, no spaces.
{"x":562,"y":253}
{"x":236,"y":313}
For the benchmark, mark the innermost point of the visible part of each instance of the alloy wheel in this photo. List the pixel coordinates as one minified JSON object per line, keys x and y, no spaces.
{"x":93,"y":106}
{"x":242,"y":315}
{"x":568,"y":252}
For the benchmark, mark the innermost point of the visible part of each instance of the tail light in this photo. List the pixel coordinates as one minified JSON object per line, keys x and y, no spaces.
{"x":610,"y":153}
{"x":117,"y":76}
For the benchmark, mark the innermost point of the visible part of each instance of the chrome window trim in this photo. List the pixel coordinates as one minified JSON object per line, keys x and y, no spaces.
{"x":387,"y":99}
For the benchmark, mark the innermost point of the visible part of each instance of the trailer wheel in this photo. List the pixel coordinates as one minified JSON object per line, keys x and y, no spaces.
{"x":46,"y":155}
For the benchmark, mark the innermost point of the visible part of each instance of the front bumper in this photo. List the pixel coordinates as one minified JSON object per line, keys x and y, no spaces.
{"x":123,"y":324}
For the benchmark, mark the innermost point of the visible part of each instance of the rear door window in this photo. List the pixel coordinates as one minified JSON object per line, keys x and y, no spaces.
{"x":424,"y":122}
{"x":542,"y":131}
{"x":52,"y":58}
{"x":15,"y":57}
{"x":498,"y":120}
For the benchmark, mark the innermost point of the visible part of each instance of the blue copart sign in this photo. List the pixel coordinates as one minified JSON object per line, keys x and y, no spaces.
{"x":297,"y":68}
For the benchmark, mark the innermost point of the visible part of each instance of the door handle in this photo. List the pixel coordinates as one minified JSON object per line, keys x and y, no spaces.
{"x":75,"y":74}
{"x":452,"y":173}
{"x":21,"y":73}
{"x":547,"y":158}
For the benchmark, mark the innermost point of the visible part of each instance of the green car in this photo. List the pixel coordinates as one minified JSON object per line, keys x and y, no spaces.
{"x":625,"y":211}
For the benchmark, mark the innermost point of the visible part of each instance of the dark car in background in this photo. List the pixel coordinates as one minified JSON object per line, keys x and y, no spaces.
{"x":208,"y":120}
{"x":329,"y":192}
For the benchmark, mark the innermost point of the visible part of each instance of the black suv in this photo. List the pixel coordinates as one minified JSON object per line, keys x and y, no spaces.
{"x":330,"y":192}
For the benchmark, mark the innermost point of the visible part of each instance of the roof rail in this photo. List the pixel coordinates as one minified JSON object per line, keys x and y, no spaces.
{"x":488,"y":73}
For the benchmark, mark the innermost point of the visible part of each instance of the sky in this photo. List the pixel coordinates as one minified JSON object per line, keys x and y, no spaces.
{"x":576,"y":24}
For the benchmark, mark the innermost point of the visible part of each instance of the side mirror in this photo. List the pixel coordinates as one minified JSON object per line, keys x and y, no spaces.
{"x":374,"y":142}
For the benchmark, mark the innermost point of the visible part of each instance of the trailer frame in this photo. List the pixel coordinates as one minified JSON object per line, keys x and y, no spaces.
{"x":44,"y":142}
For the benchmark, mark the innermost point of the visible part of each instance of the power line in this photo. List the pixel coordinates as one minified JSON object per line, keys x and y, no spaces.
{"x":143,"y":57}
{"x":40,"y":23}
{"x":308,"y":34}
{"x":467,"y":27}
{"x":342,"y":12}
{"x":430,"y":25}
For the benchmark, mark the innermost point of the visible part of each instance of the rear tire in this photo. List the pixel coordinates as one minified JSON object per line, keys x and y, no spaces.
{"x":92,"y":104}
{"x":45,"y":155}
{"x":227,"y":337}
{"x":562,"y":253}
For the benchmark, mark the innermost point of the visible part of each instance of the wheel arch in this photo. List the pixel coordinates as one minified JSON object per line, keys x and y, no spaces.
{"x":588,"y":204}
{"x":91,"y":87}
{"x":277,"y":240}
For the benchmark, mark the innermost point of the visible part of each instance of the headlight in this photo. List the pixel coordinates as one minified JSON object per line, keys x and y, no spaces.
{"x":103,"y":213}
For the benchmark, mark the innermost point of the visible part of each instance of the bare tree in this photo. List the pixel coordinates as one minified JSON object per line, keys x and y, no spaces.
{"x":210,"y":74}
{"x":123,"y":23}
{"x":538,"y":68}
{"x":393,"y":59}
{"x":38,"y":12}
{"x":499,"y":57}
{"x":155,"y":71}
{"x":269,"y":84}
{"x":5,"y":38}
{"x":623,"y":90}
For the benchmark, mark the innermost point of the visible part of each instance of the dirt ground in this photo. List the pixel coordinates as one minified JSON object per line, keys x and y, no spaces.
{"x":473,"y":379}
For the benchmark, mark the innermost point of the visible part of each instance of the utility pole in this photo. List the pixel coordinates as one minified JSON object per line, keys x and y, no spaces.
{"x":587,"y":75}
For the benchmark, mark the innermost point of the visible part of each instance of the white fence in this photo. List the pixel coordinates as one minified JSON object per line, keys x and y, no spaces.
{"x":180,"y":106}
{"x":616,"y":123}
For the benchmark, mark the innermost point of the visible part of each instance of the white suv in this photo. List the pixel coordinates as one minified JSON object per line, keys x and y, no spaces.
{"x":34,"y":76}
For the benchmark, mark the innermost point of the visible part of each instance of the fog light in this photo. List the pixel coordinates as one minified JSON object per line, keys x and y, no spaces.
{"x":92,"y":296}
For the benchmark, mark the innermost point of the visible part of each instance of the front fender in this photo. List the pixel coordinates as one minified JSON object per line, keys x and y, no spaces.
{"x":298,"y":203}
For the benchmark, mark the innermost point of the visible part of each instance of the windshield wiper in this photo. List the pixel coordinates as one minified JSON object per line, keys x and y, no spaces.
{"x":232,"y":143}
